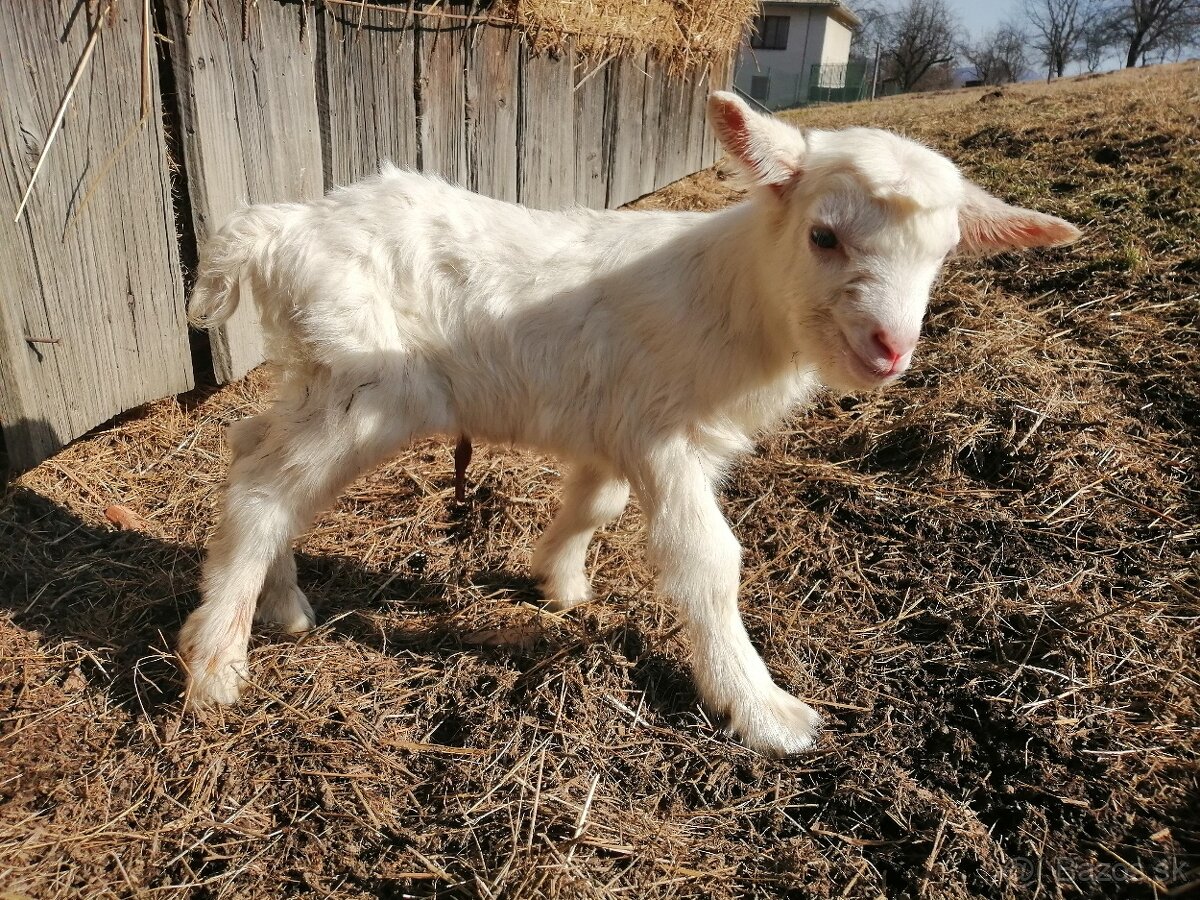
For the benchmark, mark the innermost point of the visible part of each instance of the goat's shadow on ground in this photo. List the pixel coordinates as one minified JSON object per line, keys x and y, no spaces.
{"x":123,"y":595}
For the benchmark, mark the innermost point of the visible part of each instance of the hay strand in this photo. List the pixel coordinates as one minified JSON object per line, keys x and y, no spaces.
{"x":76,"y":76}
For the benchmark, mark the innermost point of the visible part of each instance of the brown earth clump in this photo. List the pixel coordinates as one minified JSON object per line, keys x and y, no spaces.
{"x":985,"y":578}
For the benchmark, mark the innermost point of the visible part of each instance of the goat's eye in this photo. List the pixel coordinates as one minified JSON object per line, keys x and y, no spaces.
{"x":824,"y":239}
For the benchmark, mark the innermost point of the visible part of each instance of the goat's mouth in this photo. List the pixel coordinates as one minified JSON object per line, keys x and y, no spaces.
{"x":863,"y":374}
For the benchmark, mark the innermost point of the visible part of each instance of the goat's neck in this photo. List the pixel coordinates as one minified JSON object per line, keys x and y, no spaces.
{"x":742,"y":287}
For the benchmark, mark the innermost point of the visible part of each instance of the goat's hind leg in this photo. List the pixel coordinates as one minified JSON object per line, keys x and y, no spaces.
{"x":281,"y":602}
{"x":592,"y":497}
{"x":305,"y":453}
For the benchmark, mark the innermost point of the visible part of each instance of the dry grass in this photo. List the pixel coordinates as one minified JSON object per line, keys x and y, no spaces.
{"x":986,"y":578}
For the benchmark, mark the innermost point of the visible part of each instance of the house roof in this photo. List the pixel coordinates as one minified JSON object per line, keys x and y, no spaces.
{"x":836,"y":8}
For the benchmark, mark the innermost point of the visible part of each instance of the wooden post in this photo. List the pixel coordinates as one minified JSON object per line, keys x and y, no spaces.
{"x":442,"y":94}
{"x":492,"y":101}
{"x":697,"y":127}
{"x":651,"y":134}
{"x":250,"y":133}
{"x":368,"y":91}
{"x":592,"y":134}
{"x":627,"y":85}
{"x":546,"y":130}
{"x":671,"y":160}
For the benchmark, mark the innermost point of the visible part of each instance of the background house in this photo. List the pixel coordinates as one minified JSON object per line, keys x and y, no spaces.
{"x":798,"y":52}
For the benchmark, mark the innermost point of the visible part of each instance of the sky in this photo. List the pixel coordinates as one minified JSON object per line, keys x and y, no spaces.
{"x":978,"y":17}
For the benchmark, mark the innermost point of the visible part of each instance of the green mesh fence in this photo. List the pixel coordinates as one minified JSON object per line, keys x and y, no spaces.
{"x":839,"y":83}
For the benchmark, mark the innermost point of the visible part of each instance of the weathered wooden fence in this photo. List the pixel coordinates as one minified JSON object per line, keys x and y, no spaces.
{"x":91,"y":298}
{"x":278,"y":104}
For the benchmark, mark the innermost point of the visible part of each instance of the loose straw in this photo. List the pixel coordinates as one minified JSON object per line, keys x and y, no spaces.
{"x":80,"y":68}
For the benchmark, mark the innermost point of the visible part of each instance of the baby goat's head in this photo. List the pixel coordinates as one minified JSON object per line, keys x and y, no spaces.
{"x":859,"y":223}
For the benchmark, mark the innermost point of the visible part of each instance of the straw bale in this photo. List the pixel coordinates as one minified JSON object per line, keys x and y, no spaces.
{"x":681,"y":34}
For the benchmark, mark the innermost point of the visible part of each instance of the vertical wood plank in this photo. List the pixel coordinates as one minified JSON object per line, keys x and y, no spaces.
{"x":593,"y":131}
{"x":368,"y":91}
{"x":492,"y":101}
{"x":720,"y":78}
{"x":651,"y":104}
{"x":712,"y":151}
{"x":546,"y":149}
{"x":670,"y":162}
{"x":91,"y":298}
{"x":441,"y":94}
{"x":697,"y":128}
{"x":627,"y":86}
{"x":250,"y":128}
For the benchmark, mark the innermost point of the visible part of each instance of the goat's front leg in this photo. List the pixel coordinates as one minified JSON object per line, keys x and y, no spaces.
{"x":592,"y":497}
{"x":698,"y":561}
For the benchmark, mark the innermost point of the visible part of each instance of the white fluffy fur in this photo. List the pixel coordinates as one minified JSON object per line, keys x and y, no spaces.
{"x":644,"y":348}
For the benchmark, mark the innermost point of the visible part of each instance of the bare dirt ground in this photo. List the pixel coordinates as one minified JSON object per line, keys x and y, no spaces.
{"x":986,"y":578}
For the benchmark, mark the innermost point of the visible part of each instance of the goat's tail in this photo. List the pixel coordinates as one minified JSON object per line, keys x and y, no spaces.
{"x":225,"y":258}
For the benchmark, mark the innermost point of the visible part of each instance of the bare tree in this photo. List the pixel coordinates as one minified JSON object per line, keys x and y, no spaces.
{"x":1097,"y":40}
{"x":917,"y":35}
{"x":1150,"y":28}
{"x":1012,"y":50}
{"x":1000,"y":56}
{"x":871,"y":33}
{"x":1058,"y":26}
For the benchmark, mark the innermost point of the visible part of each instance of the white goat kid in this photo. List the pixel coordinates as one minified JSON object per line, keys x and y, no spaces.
{"x":644,"y":348}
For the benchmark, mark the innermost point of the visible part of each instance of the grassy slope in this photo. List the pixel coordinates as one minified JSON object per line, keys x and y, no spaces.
{"x":985,"y":577}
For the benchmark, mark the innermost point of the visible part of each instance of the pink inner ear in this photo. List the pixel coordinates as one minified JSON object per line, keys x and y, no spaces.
{"x":1035,"y":231}
{"x":734,"y":134}
{"x":1004,"y":227}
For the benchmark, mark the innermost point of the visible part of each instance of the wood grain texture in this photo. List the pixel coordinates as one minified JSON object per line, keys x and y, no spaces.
{"x":720,"y":78}
{"x":652,"y":91}
{"x":249,"y":126}
{"x":626,"y":164}
{"x":671,"y":160}
{"x":442,"y":52}
{"x":546,"y":130}
{"x":697,"y":128}
{"x":593,"y":130}
{"x":492,"y":109}
{"x":369,"y":105}
{"x":91,"y":298}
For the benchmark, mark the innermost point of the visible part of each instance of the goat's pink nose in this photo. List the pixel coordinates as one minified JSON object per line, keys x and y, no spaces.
{"x":889,"y":346}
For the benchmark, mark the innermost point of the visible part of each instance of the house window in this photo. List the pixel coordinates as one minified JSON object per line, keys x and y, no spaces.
{"x":760,"y":87}
{"x":770,"y":33}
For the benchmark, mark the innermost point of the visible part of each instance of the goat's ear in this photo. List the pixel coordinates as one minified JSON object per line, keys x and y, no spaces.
{"x":768,"y":151}
{"x":987,"y":224}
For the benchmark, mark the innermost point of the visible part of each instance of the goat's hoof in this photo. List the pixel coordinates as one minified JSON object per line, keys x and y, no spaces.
{"x":287,"y":609}
{"x":776,"y":724}
{"x":215,"y":680}
{"x":213,"y":653}
{"x":562,"y":594}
